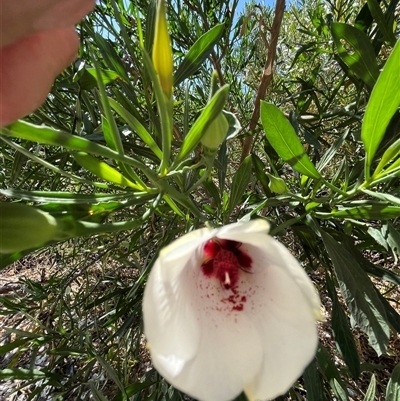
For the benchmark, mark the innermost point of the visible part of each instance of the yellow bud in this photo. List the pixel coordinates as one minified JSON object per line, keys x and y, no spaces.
{"x":162,"y":51}
{"x":216,"y":132}
{"x":24,"y":227}
{"x":276,"y":185}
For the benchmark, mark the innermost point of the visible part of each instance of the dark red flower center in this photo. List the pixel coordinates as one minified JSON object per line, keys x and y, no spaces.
{"x":224,"y":260}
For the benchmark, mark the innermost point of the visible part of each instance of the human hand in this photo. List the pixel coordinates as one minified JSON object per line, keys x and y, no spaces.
{"x":38,"y":40}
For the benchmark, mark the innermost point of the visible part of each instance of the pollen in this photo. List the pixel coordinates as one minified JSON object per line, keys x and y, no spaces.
{"x":224,"y":260}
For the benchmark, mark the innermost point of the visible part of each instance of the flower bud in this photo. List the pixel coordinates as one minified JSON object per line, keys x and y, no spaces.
{"x":24,"y":227}
{"x":276,"y":184}
{"x":216,"y":132}
{"x":162,"y":51}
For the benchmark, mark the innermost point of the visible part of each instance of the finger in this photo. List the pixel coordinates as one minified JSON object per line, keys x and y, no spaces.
{"x":28,"y":69}
{"x":25,"y":17}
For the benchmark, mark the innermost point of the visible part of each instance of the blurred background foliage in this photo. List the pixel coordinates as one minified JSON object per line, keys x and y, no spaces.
{"x":321,"y":165}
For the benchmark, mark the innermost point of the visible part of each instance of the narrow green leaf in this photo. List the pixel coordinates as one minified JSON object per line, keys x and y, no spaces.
{"x":26,"y":374}
{"x":15,"y":344}
{"x":198,"y":53}
{"x":132,"y":389}
{"x":393,"y":387}
{"x":104,"y":171}
{"x":63,"y":197}
{"x":385,"y":197}
{"x":377,"y":236}
{"x":393,"y":237}
{"x":391,"y":153}
{"x":331,"y":152}
{"x":383,"y":103}
{"x":137,"y":127}
{"x":384,"y":25}
{"x":50,"y":136}
{"x":282,"y":136}
{"x":360,"y":55}
{"x":210,"y":112}
{"x":343,"y":336}
{"x":359,"y":295}
{"x":240,"y":182}
{"x":331,"y":374}
{"x":259,"y":169}
{"x":367,"y":266}
{"x":87,"y":79}
{"x":367,"y":212}
{"x":313,"y":383}
{"x":371,"y":391}
{"x":110,"y":56}
{"x":97,"y":394}
{"x":112,"y":373}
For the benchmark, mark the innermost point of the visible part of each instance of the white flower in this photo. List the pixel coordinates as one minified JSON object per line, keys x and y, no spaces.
{"x":228,"y":310}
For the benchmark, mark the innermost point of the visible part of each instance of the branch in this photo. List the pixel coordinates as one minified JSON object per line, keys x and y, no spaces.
{"x":266,"y":77}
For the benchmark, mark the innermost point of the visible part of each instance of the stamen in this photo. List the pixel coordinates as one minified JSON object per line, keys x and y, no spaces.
{"x":227,"y":281}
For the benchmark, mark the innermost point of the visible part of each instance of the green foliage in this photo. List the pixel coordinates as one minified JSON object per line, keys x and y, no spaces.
{"x":122,"y":171}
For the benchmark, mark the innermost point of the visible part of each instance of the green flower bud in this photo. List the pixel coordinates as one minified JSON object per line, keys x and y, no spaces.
{"x":24,"y":227}
{"x":216,"y":132}
{"x":276,"y":184}
{"x":162,"y":51}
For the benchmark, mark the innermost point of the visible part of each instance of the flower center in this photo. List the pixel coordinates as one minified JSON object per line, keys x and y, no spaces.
{"x":226,"y":268}
{"x":224,"y":260}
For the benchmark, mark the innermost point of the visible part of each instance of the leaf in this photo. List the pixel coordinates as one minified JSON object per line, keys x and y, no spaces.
{"x":87,"y":79}
{"x":331,"y":373}
{"x":393,"y":387}
{"x":198,"y":53}
{"x":377,"y":236}
{"x":210,"y":112}
{"x":384,"y":25}
{"x":111,"y":57}
{"x":393,"y":238}
{"x":371,"y":391}
{"x":343,"y":336}
{"x":27,"y":374}
{"x":282,"y":136}
{"x":313,"y":383}
{"x":131,"y":390}
{"x":259,"y":169}
{"x":331,"y":152}
{"x":103,"y":170}
{"x":240,"y":182}
{"x":369,"y":212}
{"x":391,"y":153}
{"x":63,"y":197}
{"x":367,"y":266}
{"x":50,"y":136}
{"x":359,"y":294}
{"x":136,"y":127}
{"x":383,"y":103}
{"x":384,"y":197}
{"x":360,"y":57}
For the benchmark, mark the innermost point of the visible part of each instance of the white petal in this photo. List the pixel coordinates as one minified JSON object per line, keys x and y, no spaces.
{"x":276,"y":253}
{"x":289,"y":262}
{"x":175,"y":256}
{"x":228,"y":355}
{"x":165,"y":306}
{"x":285,"y":319}
{"x":240,"y":230}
